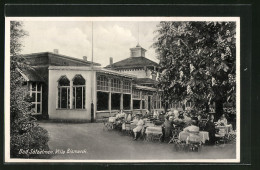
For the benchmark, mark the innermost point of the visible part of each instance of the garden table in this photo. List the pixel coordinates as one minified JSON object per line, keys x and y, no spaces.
{"x":203,"y":135}
{"x":153,"y":132}
{"x":227,"y":128}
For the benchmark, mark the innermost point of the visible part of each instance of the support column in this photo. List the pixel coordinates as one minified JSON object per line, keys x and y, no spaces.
{"x":109,"y":102}
{"x":121,"y":96}
{"x":109,"y":95}
{"x":131,"y":101}
{"x":57,"y":96}
{"x":141,"y":95}
{"x":121,"y":101}
{"x":71,"y":94}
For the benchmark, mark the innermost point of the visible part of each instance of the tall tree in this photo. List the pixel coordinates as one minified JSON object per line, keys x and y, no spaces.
{"x":197,"y":61}
{"x":24,"y":130}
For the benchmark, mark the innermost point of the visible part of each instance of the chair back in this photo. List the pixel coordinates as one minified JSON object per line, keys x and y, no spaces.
{"x":127,"y":126}
{"x":175,"y":132}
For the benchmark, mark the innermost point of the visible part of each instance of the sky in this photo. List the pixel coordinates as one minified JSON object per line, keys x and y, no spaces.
{"x":74,"y":38}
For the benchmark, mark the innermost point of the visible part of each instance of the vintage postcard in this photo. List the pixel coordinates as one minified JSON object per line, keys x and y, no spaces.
{"x":122,"y":89}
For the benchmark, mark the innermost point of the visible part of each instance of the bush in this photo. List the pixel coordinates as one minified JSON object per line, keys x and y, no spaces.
{"x":25,"y":132}
{"x":27,"y":135}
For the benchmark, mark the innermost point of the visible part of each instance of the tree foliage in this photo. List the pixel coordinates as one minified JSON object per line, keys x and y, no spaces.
{"x":197,"y":61}
{"x":24,"y":131}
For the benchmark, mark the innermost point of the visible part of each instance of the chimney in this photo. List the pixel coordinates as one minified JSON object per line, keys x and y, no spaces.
{"x":111,"y":61}
{"x":56,"y":51}
{"x":85,"y":58}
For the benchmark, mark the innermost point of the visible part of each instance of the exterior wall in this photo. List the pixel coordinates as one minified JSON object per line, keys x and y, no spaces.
{"x":68,"y":114}
{"x":138,"y":73}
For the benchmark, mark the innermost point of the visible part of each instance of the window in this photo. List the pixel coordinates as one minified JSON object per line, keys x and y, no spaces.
{"x":115,"y":85}
{"x":143,"y":104}
{"x":126,"y":87}
{"x":144,"y":99}
{"x":136,"y":104}
{"x":179,"y":104}
{"x":154,"y":102}
{"x":102,"y":101}
{"x":64,"y":93}
{"x":102,"y":83}
{"x":79,"y":92}
{"x":126,"y":101}
{"x":175,"y":105}
{"x":143,"y":95}
{"x":136,"y":94}
{"x":36,"y":94}
{"x":158,"y":101}
{"x":115,"y":101}
{"x":136,"y":99}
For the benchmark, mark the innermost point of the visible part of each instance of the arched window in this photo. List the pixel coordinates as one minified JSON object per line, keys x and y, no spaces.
{"x":79,"y":92}
{"x":63,"y":93}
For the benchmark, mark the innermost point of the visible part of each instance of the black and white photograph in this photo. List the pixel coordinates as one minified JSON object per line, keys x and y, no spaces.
{"x":122,"y":89}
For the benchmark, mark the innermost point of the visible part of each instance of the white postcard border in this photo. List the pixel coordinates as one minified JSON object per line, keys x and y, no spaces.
{"x":134,"y":19}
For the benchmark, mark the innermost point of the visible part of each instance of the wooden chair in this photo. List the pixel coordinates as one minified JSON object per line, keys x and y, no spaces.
{"x":221,"y":137}
{"x":175,"y":135}
{"x":231,"y":136}
{"x":107,"y":125}
{"x":194,"y":143}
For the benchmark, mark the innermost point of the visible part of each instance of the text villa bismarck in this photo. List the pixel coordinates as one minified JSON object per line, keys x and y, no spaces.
{"x":50,"y":152}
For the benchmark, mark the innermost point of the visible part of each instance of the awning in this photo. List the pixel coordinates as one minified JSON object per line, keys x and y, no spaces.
{"x":145,"y":88}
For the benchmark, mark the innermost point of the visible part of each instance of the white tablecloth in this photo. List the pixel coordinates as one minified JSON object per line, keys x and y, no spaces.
{"x":153,"y":130}
{"x":227,"y":128}
{"x":203,"y":135}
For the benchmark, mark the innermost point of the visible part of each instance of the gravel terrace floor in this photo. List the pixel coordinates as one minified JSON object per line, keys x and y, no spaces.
{"x":112,"y":145}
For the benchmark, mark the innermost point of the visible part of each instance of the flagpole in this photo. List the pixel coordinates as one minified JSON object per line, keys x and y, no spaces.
{"x":138,"y":33}
{"x":92,"y":79}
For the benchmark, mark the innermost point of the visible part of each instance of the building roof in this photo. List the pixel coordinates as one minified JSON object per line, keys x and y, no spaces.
{"x":31,"y":75}
{"x":145,"y":81}
{"x":133,"y":62}
{"x":59,"y":55}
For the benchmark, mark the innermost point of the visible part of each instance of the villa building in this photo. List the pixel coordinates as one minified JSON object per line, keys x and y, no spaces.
{"x":67,"y":88}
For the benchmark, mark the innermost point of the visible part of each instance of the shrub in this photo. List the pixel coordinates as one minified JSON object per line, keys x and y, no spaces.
{"x":25,"y":133}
